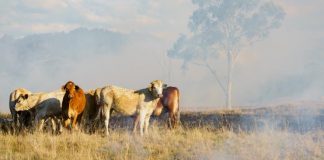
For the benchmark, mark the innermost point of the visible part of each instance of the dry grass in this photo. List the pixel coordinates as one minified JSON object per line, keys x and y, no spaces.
{"x":5,"y":115}
{"x":203,"y":137}
{"x":121,"y":144}
{"x":195,"y":143}
{"x":274,"y":145}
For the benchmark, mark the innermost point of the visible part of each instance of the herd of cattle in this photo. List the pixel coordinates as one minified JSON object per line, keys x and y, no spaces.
{"x":72,"y":108}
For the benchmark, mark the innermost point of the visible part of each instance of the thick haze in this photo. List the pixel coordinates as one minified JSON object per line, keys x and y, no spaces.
{"x":97,"y":42}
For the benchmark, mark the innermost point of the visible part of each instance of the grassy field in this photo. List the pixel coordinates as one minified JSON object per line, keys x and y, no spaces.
{"x":195,"y":140}
{"x":196,"y":143}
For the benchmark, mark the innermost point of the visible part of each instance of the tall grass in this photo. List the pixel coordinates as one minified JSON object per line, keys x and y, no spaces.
{"x":120,"y":144}
{"x":161,"y":143}
{"x":202,"y":137}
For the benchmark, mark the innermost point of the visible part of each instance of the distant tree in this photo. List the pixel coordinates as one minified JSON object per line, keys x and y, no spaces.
{"x":221,"y":28}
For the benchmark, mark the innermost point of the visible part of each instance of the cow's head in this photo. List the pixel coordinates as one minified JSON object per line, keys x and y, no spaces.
{"x":22,"y":103}
{"x":156,"y":88}
{"x":70,"y":88}
{"x":18,"y":92}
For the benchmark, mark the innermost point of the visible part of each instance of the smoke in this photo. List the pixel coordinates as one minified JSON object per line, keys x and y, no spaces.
{"x":91,"y":58}
{"x":287,"y":65}
{"x":270,"y":145}
{"x":271,"y":70}
{"x":94,"y":58}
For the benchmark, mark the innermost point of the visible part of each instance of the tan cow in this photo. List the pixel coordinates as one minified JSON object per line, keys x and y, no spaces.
{"x":140,"y":103}
{"x":18,"y":117}
{"x":43,"y":105}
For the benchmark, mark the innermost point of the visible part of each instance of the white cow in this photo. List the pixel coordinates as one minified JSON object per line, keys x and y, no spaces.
{"x":140,"y":103}
{"x":44,"y":105}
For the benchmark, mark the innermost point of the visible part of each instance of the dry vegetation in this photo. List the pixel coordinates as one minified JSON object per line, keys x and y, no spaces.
{"x":119,"y":145}
{"x":203,"y":141}
{"x":197,"y":143}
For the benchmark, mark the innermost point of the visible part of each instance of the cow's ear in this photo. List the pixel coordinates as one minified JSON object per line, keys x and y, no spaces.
{"x":25,"y":96}
{"x":77,"y":87}
{"x":164,"y":86}
{"x":63,"y":88}
{"x":150,"y":86}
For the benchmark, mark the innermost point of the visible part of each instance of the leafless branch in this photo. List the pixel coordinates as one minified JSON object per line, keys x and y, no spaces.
{"x":213,"y":72}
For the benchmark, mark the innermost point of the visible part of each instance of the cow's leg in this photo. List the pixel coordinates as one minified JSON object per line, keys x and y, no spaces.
{"x":67,"y":123}
{"x":36,"y":123}
{"x":19,"y":121}
{"x":40,"y":123}
{"x":58,"y":121}
{"x":141,"y":121}
{"x":174,"y":120}
{"x":53,"y":125}
{"x":75,"y":117}
{"x":136,"y":120}
{"x":170,"y":120}
{"x":59,"y":125}
{"x":146,"y":123}
{"x":23,"y":120}
{"x":106,"y":111}
{"x":15,"y":118}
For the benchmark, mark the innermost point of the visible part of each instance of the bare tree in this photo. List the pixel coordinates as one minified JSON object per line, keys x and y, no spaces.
{"x":221,"y":28}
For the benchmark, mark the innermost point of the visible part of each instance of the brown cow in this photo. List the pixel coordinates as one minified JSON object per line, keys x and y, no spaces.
{"x":73,"y":104}
{"x":170,"y":103}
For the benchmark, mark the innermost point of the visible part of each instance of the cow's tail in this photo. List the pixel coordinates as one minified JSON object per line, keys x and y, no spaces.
{"x":178,"y":112}
{"x":100,"y":114}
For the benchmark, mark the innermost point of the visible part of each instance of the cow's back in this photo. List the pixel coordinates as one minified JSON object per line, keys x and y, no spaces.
{"x":49,"y":107}
{"x":80,"y":101}
{"x":45,"y":100}
{"x":123,"y":100}
{"x":170,"y":99}
{"x":57,"y":95}
{"x":169,"y":103}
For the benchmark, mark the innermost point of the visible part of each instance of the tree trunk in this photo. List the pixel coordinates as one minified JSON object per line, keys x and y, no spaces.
{"x":229,"y":80}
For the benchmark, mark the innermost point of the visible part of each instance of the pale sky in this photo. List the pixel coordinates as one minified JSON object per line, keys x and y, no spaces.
{"x":41,"y":47}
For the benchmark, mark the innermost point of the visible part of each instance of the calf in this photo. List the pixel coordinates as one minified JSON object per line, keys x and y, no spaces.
{"x":140,"y":103}
{"x":73,"y":104}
